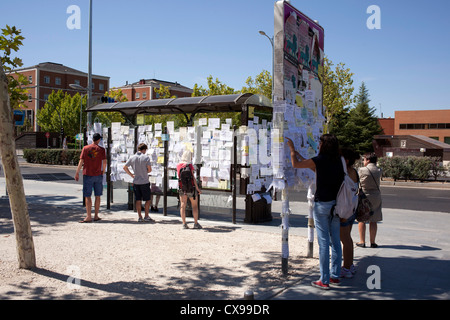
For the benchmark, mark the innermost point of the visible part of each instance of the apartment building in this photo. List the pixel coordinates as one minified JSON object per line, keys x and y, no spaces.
{"x":49,"y":76}
{"x":144,"y":89}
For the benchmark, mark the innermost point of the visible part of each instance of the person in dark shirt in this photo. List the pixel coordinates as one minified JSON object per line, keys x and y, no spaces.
{"x":329,"y":176}
{"x":93,"y":162}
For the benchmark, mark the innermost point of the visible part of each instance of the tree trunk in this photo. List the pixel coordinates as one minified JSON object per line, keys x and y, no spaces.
{"x":14,"y":182}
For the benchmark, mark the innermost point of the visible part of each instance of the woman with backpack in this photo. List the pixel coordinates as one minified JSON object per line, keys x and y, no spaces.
{"x":188,"y":188}
{"x":329,"y":176}
{"x":348,"y":268}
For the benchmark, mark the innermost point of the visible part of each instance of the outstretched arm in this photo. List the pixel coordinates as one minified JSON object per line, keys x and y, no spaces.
{"x":295,"y":156}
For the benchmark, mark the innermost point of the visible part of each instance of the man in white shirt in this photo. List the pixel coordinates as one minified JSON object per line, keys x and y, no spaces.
{"x":140,"y":163}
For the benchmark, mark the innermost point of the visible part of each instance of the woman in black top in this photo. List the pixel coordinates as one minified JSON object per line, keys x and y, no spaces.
{"x":329,"y":176}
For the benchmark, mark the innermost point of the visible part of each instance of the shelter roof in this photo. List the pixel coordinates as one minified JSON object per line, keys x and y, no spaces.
{"x":186,"y":105}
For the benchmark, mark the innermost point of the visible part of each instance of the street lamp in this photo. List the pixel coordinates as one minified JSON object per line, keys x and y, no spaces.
{"x":273,"y":57}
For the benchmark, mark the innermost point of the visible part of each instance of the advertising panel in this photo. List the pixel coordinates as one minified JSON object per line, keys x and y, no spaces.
{"x":298,"y":88}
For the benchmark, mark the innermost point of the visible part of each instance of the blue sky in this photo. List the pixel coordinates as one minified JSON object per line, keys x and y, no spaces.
{"x":405,"y":64}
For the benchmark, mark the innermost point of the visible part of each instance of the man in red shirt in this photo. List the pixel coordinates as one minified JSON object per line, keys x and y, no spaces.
{"x":93,"y":161}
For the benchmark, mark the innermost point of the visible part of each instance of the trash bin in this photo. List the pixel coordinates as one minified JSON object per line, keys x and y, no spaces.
{"x":131,"y":202}
{"x":258,"y":211}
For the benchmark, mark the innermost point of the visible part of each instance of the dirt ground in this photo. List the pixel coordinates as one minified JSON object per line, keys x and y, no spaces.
{"x":119,"y":258}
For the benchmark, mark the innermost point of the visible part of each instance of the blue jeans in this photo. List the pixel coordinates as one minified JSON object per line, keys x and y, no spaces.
{"x":328,"y":229}
{"x":92,"y":182}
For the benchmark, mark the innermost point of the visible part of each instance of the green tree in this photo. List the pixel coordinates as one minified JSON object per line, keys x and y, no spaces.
{"x":337,"y":89}
{"x":262,"y":85}
{"x":11,"y":41}
{"x":163,"y":92}
{"x":13,"y":178}
{"x":357,"y":128}
{"x":63,"y":107}
{"x":216,"y":88}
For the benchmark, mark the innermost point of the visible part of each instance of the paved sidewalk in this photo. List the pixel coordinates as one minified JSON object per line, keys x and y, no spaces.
{"x":412,"y":260}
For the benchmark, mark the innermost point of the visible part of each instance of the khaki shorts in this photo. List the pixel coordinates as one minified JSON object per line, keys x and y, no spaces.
{"x":189,"y":194}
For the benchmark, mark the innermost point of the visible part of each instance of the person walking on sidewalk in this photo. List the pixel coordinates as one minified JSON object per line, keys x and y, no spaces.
{"x":348,"y":269}
{"x":330,"y":174}
{"x":189,"y":190}
{"x":93,"y":162}
{"x":370,"y":176}
{"x":140,"y":162}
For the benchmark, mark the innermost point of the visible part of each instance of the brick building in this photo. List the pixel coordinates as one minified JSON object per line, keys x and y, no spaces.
{"x":434,"y":124}
{"x":388,"y":125}
{"x":144,"y":89}
{"x":49,"y":76}
{"x":419,"y":133}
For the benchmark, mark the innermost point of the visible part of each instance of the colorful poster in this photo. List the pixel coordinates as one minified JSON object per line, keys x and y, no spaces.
{"x":298,"y":88}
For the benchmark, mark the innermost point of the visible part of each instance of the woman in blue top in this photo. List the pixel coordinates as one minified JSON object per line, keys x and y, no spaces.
{"x":329,"y":176}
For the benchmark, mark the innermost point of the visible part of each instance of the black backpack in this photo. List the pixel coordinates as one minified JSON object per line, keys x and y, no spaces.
{"x":185,"y":180}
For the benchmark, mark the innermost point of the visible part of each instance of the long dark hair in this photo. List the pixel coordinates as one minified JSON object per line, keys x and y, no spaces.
{"x":350,"y":155}
{"x":329,"y":146}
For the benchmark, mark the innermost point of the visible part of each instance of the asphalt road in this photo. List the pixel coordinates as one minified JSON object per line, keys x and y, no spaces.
{"x":396,"y":197}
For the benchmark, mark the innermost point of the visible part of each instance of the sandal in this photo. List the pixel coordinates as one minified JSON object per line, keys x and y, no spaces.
{"x":85,"y":221}
{"x":361,"y":244}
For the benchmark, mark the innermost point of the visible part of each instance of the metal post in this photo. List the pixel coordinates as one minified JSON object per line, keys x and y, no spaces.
{"x":165,"y":178}
{"x":84,"y":143}
{"x":285,"y":211}
{"x":234,"y":181}
{"x":90,"y":66}
{"x":248,"y":295}
{"x":311,"y":227}
{"x":108,"y":171}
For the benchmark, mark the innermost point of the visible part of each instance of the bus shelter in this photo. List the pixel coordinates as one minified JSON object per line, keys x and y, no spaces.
{"x":250,"y":106}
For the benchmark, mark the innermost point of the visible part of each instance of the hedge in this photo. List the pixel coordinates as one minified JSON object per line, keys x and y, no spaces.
{"x":52,"y":156}
{"x":411,"y":168}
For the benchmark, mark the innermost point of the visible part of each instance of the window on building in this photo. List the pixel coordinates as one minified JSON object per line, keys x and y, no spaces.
{"x":58,"y":81}
{"x":137,"y":95}
{"x":447,"y":140}
{"x":77,"y":82}
{"x":47,"y":79}
{"x":29,"y":116}
{"x":423,"y":126}
{"x":46,"y":96}
{"x":101,"y":86}
{"x":144,"y":95}
{"x":30,"y":79}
